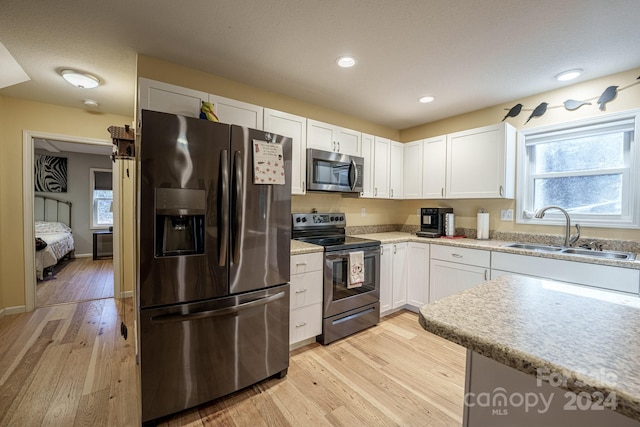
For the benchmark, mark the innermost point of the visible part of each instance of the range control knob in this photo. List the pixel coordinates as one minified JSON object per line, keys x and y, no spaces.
{"x":341,"y":218}
{"x":298,"y":219}
{"x":304,"y":219}
{"x":331,"y":219}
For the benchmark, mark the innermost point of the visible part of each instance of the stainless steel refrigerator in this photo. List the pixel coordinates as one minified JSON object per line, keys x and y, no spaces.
{"x":213,"y":248}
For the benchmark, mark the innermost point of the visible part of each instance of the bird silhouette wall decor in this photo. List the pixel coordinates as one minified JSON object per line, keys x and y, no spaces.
{"x":608,"y":95}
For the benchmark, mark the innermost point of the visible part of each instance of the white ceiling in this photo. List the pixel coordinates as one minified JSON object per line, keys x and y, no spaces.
{"x":468,"y":54}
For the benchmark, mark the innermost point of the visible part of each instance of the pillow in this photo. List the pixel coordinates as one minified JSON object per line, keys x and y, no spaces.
{"x":43,"y":227}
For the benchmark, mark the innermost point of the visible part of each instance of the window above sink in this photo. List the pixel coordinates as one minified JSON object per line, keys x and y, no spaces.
{"x":589,"y":167}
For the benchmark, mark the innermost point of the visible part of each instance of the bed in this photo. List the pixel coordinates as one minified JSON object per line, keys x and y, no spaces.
{"x":53,"y":225}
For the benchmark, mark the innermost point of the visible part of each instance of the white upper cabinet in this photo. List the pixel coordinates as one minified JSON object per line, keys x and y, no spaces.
{"x":237,"y":112}
{"x":481,"y":163}
{"x":328,"y":137}
{"x":168,"y":98}
{"x":367,"y":155}
{"x":434,"y":164}
{"x":396,"y":161}
{"x":294,"y":127}
{"x":381,"y":159}
{"x":412,"y":188}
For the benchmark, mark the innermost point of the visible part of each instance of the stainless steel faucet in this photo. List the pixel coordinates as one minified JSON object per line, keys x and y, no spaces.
{"x":569,"y":240}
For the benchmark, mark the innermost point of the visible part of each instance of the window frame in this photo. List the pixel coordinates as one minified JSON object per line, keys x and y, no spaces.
{"x":92,"y":212}
{"x":630,"y":216}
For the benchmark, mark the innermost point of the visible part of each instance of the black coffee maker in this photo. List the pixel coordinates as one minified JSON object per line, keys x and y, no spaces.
{"x":432,"y":221}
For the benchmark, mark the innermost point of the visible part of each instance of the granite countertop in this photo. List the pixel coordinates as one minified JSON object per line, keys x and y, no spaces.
{"x":298,"y":248}
{"x":589,"y":339}
{"x":494,"y":245}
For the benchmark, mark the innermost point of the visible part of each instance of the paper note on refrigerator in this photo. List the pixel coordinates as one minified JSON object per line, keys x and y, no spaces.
{"x":268,"y":163}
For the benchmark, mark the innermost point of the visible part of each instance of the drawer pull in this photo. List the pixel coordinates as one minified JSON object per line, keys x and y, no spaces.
{"x":301,"y":263}
{"x":456,"y":255}
{"x":299,"y":291}
{"x":300,"y":325}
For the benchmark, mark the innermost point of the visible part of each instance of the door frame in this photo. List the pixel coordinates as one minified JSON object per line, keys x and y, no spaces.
{"x":28,"y":213}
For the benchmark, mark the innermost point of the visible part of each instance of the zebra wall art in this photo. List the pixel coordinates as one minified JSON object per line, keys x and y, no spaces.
{"x":50,"y":174}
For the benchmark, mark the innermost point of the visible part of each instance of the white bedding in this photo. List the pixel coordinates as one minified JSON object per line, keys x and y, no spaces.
{"x":59,"y":243}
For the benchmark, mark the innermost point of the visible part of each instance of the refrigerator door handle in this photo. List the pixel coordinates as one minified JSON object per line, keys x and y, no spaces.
{"x":237,"y":235}
{"x":172,"y":318}
{"x":223,"y":242}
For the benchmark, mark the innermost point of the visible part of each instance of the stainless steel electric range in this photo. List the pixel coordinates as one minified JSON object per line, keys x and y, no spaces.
{"x":346,"y":309}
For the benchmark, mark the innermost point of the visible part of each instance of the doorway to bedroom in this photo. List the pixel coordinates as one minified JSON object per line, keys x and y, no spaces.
{"x":73,"y":199}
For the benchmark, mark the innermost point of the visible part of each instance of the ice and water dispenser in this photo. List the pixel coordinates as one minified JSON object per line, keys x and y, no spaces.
{"x":180,"y":224}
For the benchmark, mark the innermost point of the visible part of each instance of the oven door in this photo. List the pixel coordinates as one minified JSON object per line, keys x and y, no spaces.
{"x":329,"y":171}
{"x":338,"y":298}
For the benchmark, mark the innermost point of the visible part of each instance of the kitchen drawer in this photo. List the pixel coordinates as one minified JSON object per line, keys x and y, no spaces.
{"x":304,"y":263}
{"x":461,"y":255}
{"x":306,"y":289}
{"x":305,"y":322}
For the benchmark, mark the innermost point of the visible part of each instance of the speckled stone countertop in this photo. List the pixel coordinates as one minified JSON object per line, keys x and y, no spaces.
{"x":590,"y":339}
{"x":298,"y":248}
{"x":494,"y":245}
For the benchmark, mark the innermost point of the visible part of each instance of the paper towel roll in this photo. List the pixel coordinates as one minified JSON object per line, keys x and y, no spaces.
{"x":483,"y":226}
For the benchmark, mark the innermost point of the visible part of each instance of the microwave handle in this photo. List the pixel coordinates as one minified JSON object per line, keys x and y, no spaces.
{"x":355,"y":174}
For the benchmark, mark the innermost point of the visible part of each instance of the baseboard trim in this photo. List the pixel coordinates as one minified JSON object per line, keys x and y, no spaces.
{"x":126,"y":294}
{"x":89,"y":255}
{"x":1,"y":312}
{"x":302,"y":343}
{"x":14,"y":310}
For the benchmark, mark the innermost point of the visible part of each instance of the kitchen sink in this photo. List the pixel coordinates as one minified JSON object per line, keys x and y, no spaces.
{"x":534,"y":247}
{"x":628,"y":256}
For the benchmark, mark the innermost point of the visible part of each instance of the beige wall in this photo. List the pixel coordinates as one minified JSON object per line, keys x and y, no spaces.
{"x":465,"y":210}
{"x":17,"y":115}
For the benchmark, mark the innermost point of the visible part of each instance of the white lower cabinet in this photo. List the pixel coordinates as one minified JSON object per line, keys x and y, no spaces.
{"x":393,"y":284}
{"x":306,"y":297}
{"x":417,"y":275}
{"x":607,"y":277}
{"x":454,"y":269}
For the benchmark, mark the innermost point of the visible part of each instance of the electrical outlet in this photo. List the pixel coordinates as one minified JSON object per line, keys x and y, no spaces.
{"x":363,"y":212}
{"x":506,"y":214}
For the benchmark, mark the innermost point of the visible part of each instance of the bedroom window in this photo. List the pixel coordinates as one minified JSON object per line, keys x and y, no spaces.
{"x":588,"y":168}
{"x":101,"y":198}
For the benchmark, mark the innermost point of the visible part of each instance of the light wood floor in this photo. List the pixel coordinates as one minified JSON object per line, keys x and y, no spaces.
{"x":68,"y":365}
{"x":77,"y":279}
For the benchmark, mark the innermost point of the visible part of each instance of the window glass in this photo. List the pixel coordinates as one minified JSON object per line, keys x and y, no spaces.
{"x":589,"y":153}
{"x":596,"y":194}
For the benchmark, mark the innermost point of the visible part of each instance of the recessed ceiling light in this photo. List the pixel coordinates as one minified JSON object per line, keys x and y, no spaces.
{"x":568,"y":75}
{"x":80,"y":79}
{"x":346,"y":61}
{"x":90,"y":103}
{"x":426,"y":99}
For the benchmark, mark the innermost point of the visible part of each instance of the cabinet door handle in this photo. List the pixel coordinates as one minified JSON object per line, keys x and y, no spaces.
{"x":395,"y":249}
{"x":501,"y":191}
{"x":301,"y":263}
{"x":300,"y":291}
{"x":381,"y":250}
{"x":392,"y":193}
{"x":442,"y":192}
{"x":456,"y":255}
{"x":303,"y":188}
{"x":338,"y":146}
{"x":375,"y":191}
{"x":486,"y":274}
{"x":300,"y":325}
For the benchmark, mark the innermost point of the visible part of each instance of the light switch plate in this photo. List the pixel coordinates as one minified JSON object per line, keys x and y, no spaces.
{"x":506,"y":214}
{"x":363,"y":212}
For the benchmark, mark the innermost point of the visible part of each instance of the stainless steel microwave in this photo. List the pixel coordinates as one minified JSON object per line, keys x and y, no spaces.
{"x":331,"y":171}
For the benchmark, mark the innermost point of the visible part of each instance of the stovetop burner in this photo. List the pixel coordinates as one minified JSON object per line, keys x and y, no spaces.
{"x":327,"y":230}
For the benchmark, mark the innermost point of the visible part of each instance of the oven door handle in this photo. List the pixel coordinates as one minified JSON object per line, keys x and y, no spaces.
{"x":352,"y":167}
{"x":172,"y":318}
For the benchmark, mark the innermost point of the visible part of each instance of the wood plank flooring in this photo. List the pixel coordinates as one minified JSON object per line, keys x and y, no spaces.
{"x":76,"y":279}
{"x":67,"y":365}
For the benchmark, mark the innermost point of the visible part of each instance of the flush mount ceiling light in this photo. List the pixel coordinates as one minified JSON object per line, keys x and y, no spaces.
{"x":346,"y":61}
{"x":80,"y":79}
{"x":90,"y":103}
{"x":568,"y":75}
{"x":426,"y":99}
